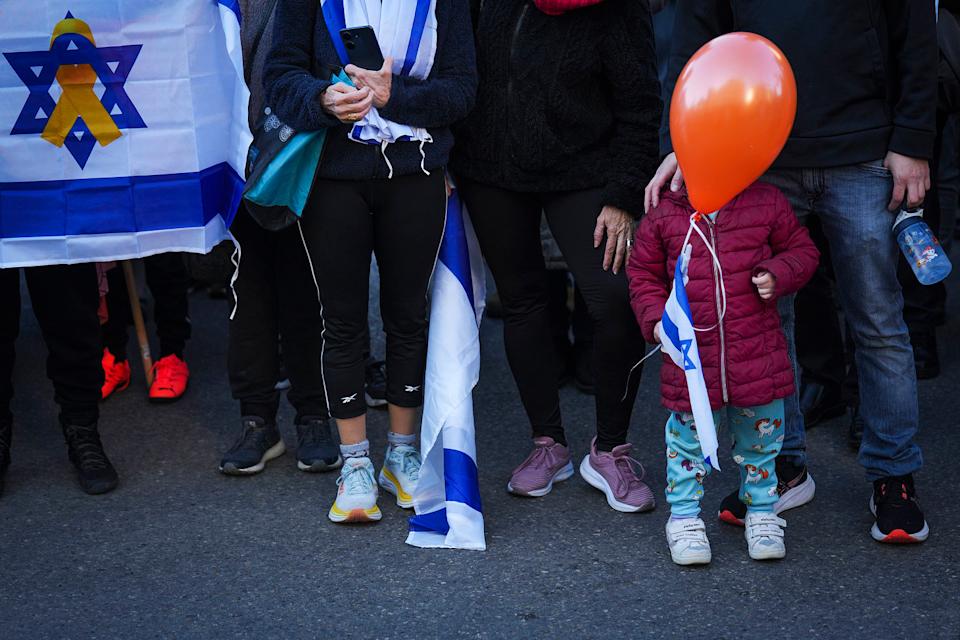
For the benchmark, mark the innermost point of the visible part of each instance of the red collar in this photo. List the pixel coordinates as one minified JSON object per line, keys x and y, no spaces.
{"x":559,"y":7}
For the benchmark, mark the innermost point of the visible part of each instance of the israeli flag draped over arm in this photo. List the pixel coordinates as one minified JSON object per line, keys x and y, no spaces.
{"x":447,"y":498}
{"x":123,"y":128}
{"x":679,"y":341}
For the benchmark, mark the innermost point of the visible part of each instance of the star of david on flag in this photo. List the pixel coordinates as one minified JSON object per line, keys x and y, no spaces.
{"x":679,"y":340}
{"x":123,"y":128}
{"x":685,"y":346}
{"x":80,"y":118}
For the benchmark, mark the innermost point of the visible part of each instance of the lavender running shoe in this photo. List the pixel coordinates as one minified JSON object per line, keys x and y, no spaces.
{"x":614,"y":474}
{"x":549,"y":462}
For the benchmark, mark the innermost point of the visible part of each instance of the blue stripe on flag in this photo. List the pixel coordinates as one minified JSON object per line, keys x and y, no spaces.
{"x":461,"y":478}
{"x":678,"y":304}
{"x":670,"y":330}
{"x":118,"y":205}
{"x":334,"y":17}
{"x":433,"y":522}
{"x":234,"y":6}
{"x":416,"y":35}
{"x":454,"y":253}
{"x":462,"y":484}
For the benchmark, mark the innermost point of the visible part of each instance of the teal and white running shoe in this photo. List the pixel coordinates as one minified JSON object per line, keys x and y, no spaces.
{"x":400,"y":473}
{"x":357,"y":493}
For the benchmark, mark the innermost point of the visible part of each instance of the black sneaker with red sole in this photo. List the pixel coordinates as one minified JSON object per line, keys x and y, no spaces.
{"x":899,"y":519}
{"x":795,"y":486}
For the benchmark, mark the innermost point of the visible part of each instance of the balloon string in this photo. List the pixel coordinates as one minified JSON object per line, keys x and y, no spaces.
{"x":634,"y":368}
{"x":716,"y":261}
{"x":716,"y":265}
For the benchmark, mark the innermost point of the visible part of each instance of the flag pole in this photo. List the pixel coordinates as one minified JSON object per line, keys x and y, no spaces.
{"x":138,"y":323}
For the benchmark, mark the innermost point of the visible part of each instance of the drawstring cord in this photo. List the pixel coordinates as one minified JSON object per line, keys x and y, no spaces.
{"x":685,"y":253}
{"x":423,"y":158}
{"x":383,"y":152}
{"x":235,"y":259}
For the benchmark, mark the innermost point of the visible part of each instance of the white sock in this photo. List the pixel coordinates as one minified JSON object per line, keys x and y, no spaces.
{"x":395,"y":439}
{"x":359,"y":450}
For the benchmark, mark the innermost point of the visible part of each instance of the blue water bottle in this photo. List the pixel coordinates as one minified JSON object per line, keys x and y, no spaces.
{"x":920,"y":247}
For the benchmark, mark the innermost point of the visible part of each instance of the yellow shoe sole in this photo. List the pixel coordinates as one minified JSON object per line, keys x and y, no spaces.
{"x":338,"y":515}
{"x":390,"y":483}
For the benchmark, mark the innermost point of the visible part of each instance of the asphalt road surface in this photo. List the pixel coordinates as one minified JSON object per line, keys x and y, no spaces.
{"x":179,"y":551}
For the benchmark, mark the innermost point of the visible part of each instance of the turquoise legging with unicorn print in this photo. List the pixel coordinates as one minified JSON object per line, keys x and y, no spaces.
{"x":757,"y":434}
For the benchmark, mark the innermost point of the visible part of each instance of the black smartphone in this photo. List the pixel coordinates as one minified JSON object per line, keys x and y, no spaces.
{"x":362,"y":47}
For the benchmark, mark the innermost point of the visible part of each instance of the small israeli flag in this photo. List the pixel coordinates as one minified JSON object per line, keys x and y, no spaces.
{"x":447,"y":498}
{"x":679,"y":341}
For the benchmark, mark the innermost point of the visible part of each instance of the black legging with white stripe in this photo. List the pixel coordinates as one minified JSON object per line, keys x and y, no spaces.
{"x":401,"y":220}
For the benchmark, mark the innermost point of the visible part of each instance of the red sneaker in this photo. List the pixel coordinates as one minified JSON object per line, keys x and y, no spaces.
{"x":170,"y":378}
{"x":116,"y":375}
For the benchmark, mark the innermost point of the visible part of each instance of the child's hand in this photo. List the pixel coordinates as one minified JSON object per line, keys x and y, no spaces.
{"x":656,"y":332}
{"x":765,"y":282}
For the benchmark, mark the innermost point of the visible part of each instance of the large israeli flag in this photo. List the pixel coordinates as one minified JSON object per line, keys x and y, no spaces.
{"x":447,"y":498}
{"x":123,"y":128}
{"x":679,"y":341}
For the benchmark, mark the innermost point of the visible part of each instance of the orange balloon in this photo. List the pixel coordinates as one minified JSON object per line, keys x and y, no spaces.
{"x":731,"y":113}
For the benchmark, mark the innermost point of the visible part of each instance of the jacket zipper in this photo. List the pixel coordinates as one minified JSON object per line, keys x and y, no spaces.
{"x":716,"y":297}
{"x":511,"y":55}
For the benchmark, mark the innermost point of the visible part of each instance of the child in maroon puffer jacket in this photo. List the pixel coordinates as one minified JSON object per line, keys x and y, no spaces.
{"x":764,"y":253}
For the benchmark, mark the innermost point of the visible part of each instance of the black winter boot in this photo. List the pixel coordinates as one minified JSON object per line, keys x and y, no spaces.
{"x":94,"y":471}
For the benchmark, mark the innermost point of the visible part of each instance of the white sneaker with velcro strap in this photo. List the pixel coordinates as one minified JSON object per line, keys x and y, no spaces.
{"x":764,"y":534}
{"x":688,"y":542}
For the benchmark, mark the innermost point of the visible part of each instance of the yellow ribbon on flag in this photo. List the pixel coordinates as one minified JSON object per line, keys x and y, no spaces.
{"x":78,"y":99}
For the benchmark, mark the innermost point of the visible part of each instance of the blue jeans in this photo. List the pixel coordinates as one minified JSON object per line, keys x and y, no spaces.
{"x":851,"y":203}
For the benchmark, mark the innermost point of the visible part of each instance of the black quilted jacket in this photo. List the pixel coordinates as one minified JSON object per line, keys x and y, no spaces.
{"x":566,"y":102}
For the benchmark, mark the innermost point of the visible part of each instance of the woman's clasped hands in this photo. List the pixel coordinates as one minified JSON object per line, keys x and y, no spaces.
{"x":372,"y":89}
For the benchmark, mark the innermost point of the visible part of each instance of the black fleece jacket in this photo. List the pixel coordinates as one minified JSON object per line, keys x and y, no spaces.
{"x":565,"y":102}
{"x":866,"y":71}
{"x":298,"y":71}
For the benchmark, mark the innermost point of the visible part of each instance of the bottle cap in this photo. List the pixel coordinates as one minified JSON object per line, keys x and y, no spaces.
{"x":906,"y":214}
